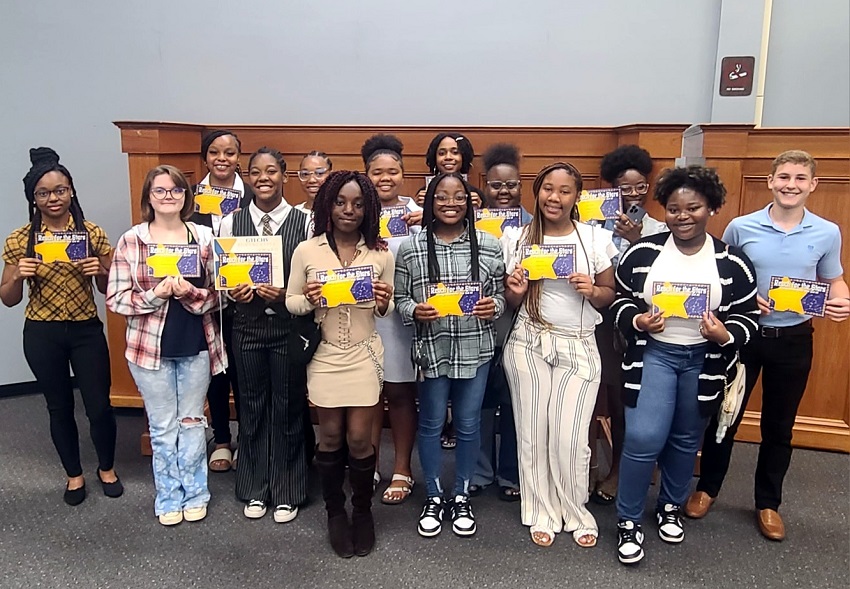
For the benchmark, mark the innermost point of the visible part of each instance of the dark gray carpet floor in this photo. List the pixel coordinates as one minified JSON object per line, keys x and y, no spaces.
{"x":117,"y":543}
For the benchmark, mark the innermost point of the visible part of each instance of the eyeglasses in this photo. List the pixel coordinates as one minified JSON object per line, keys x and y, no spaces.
{"x":444,"y":198}
{"x":319,"y":173}
{"x":59,"y":191}
{"x":497,"y":184}
{"x":160,"y":193}
{"x":634,"y":190}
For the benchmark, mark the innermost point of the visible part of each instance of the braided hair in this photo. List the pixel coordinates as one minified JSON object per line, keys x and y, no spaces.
{"x":464,"y":147}
{"x":322,"y":155}
{"x":533,"y":234}
{"x":382,"y":144}
{"x":326,"y":200}
{"x":44,"y":160}
{"x":428,"y":224}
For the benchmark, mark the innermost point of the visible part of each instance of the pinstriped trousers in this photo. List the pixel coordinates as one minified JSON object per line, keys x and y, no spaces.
{"x":554,"y":379}
{"x":272,"y":460}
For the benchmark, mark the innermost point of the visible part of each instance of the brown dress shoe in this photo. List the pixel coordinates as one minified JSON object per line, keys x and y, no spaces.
{"x":698,"y":504}
{"x":770,"y":525}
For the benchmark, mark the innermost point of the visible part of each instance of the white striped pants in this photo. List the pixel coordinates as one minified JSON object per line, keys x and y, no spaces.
{"x":554,"y":379}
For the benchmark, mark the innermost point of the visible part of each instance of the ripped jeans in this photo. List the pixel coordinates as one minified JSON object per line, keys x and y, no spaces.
{"x":174,"y":401}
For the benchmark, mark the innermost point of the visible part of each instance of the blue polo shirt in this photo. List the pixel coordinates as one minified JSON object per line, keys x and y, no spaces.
{"x":811,"y":250}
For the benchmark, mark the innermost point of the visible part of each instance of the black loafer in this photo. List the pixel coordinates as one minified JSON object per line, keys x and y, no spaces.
{"x":114,"y":489}
{"x":76,"y":496}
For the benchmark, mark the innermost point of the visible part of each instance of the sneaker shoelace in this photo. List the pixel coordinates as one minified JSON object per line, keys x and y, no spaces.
{"x":461,"y":508}
{"x":432,"y":509}
{"x":670,"y":515}
{"x":628,"y":533}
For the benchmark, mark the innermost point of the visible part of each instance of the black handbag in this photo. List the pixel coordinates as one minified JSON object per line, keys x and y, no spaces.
{"x":304,"y":339}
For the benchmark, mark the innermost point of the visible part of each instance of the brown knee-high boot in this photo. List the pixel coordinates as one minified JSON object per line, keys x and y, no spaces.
{"x":360,"y":474}
{"x":331,"y":467}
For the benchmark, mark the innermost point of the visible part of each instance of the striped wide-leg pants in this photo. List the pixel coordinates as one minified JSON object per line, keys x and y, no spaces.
{"x":554,"y":378}
{"x":272,"y":459}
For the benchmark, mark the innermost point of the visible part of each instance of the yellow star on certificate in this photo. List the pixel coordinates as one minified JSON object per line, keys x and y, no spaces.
{"x":385,"y":226}
{"x":446,"y":303}
{"x":539,"y":266}
{"x":786,"y":297}
{"x":491,"y":225}
{"x":234,"y":274}
{"x":671,"y":304}
{"x":208,"y":204}
{"x":52,"y":251}
{"x":163,"y":263}
{"x":338,"y":292}
{"x":590,"y":208}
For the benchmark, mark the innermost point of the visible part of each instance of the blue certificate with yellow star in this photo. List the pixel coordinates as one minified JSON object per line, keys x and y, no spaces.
{"x":798,"y":295}
{"x":600,"y":204}
{"x":393,"y":223}
{"x":214,"y":200}
{"x":253,"y":260}
{"x":454,"y":298}
{"x":346,"y":286}
{"x":495,"y":221}
{"x":61,"y":246}
{"x":686,"y":300}
{"x":168,"y":259}
{"x":548,"y":261}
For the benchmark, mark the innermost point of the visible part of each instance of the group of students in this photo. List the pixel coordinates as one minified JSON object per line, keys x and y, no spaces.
{"x":539,"y":351}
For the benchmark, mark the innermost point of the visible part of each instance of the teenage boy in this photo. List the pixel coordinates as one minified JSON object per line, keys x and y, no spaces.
{"x":783,"y":239}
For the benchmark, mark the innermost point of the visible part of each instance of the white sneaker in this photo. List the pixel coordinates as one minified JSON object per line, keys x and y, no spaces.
{"x":670,"y":528}
{"x":195,"y":514}
{"x":431,"y":518}
{"x":463,"y":520}
{"x":172,"y":518}
{"x":255,"y":509}
{"x":629,"y":542}
{"x":285,"y":513}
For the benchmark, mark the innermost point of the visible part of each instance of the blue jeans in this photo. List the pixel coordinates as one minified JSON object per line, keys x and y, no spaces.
{"x":664,"y":427}
{"x":174,"y":401}
{"x":466,"y":395}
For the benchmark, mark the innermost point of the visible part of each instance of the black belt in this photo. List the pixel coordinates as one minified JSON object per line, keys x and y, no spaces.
{"x":777,"y":332}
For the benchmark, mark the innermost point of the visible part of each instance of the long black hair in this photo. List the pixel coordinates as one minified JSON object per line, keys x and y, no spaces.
{"x":326,"y":199}
{"x":428,"y":224}
{"x":464,"y":147}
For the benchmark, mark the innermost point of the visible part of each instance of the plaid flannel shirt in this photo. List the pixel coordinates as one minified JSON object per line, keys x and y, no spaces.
{"x":130,"y":293}
{"x":455,"y":346}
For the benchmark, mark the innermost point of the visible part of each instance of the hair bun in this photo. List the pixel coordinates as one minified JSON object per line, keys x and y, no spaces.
{"x":381,"y":142}
{"x":43,"y":155}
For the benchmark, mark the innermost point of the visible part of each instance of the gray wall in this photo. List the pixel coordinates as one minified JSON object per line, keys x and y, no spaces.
{"x":808,"y":65}
{"x":70,"y":68}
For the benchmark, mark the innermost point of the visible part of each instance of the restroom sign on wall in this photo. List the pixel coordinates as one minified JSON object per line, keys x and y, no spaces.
{"x":736,"y":76}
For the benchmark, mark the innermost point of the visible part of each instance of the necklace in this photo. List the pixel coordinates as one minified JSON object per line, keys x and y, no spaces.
{"x":347,"y":263}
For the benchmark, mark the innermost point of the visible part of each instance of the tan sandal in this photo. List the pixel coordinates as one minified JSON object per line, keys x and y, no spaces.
{"x":221,"y":460}
{"x":541,"y":536}
{"x":398,"y":494}
{"x":584,"y":537}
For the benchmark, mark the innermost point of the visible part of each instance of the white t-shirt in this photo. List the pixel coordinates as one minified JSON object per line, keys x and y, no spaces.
{"x":671,"y":265}
{"x":560,"y":304}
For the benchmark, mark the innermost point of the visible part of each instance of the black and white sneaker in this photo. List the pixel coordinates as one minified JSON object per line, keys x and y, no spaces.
{"x":670,"y":527}
{"x":463,"y":520}
{"x":629,"y":542}
{"x":431,"y":518}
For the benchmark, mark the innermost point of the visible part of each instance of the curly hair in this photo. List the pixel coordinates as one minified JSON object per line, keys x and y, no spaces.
{"x":428,"y":226}
{"x":464,"y":147}
{"x":701,"y":180}
{"x":382,"y":144}
{"x":625,"y":157}
{"x":326,"y":200}
{"x":501,"y":154}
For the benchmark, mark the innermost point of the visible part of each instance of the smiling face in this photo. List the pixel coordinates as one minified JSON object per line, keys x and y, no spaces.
{"x":509,"y":190}
{"x":687,"y":214}
{"x":386,"y":174}
{"x":168,"y":203}
{"x":312,"y":174}
{"x":450,"y":202}
{"x":53,"y":195}
{"x":267,"y":180}
{"x":348,"y":209}
{"x":634,"y":186}
{"x":448,"y":156}
{"x":791,"y":185}
{"x":557,"y":196}
{"x":221,"y":159}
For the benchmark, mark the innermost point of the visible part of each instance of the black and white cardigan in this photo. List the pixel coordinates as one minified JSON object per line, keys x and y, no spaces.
{"x":738,"y":310}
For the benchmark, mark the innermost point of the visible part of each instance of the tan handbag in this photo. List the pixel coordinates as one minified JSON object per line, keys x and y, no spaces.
{"x":733,"y":400}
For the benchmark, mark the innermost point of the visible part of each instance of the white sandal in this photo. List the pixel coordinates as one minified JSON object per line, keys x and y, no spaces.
{"x":223,"y":454}
{"x":406,"y":490}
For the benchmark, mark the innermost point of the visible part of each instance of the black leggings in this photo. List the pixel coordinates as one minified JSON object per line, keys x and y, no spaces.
{"x":218,"y":393}
{"x":49,"y":347}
